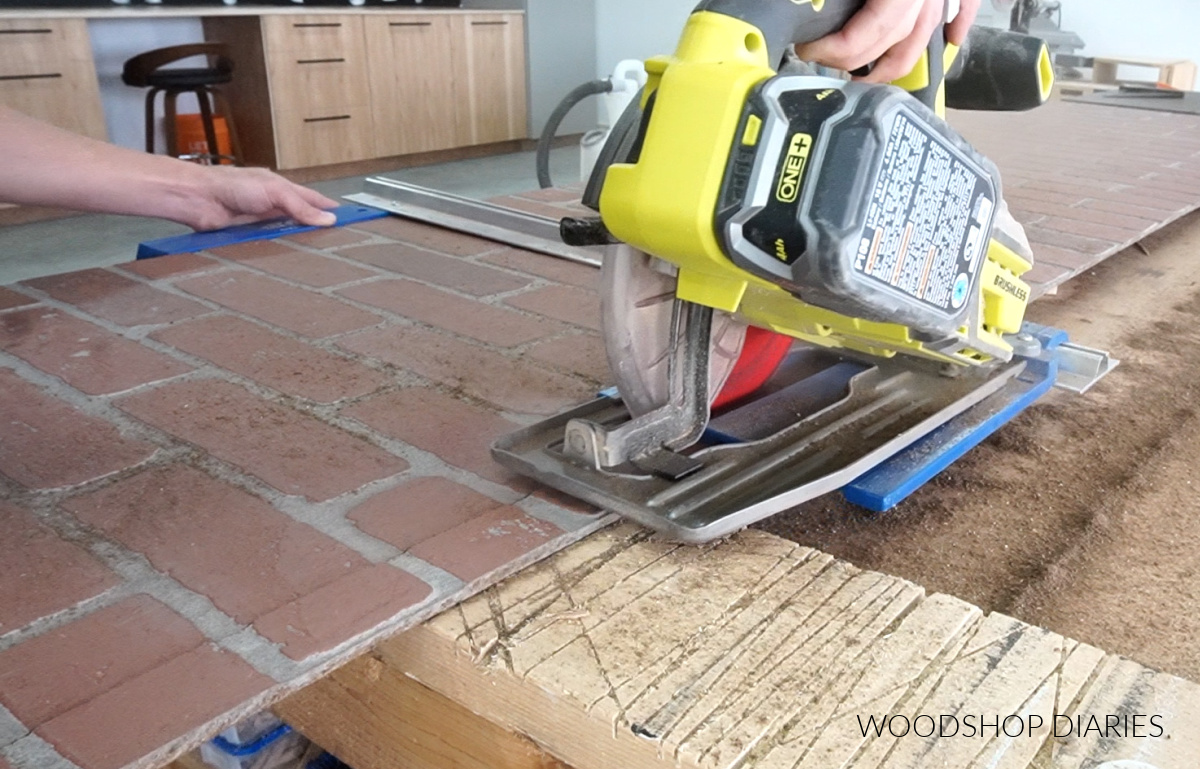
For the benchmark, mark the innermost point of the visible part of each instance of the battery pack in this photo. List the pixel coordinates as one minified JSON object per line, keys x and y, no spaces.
{"x":858,"y":199}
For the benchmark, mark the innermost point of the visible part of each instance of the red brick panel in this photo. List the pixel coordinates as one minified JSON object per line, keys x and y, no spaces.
{"x":82,"y":354}
{"x":303,"y":312}
{"x":510,"y":383}
{"x":457,"y":432}
{"x":116,"y":298}
{"x":334,"y":237}
{"x":306,"y":267}
{"x":558,"y":270}
{"x":582,"y":354}
{"x":40,"y":574}
{"x":10,"y":299}
{"x":52,"y":673}
{"x":535,"y":207}
{"x":448,"y":271}
{"x":566,"y":303}
{"x":153,"y":709}
{"x":216,"y":539}
{"x":496,"y":325}
{"x":293,"y":452}
{"x":484,"y":544}
{"x":169,"y":266}
{"x":420,"y":509}
{"x":1083,"y":201}
{"x":272,"y":359}
{"x":46,"y":443}
{"x":253,"y":249}
{"x":337,"y":612}
{"x":428,"y":236}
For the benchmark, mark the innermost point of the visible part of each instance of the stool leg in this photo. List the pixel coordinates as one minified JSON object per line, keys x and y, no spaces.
{"x":235,"y":143}
{"x":210,"y":132}
{"x":169,"y":123}
{"x":150,"y":99}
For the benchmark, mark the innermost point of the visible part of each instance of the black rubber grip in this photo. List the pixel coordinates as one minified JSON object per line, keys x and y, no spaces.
{"x":784,"y":22}
{"x":998,"y":70}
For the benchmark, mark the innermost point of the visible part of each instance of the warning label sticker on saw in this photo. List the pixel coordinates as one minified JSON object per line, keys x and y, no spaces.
{"x":928,"y":217}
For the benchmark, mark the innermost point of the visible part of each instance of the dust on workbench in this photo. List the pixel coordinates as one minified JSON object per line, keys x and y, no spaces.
{"x":1082,"y":514}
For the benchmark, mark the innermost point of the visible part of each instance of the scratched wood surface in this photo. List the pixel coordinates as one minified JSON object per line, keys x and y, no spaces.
{"x":756,"y":652}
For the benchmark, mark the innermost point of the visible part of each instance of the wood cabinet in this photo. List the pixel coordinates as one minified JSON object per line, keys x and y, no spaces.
{"x":47,"y":71}
{"x":414,"y":85}
{"x":337,"y":88}
{"x":491,"y":57}
{"x":320,"y":96}
{"x":445,"y":81}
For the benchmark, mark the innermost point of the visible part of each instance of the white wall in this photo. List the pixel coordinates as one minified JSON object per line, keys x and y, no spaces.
{"x":1160,"y":29}
{"x":1154,"y":29}
{"x":114,"y":41}
{"x":562,"y":55}
{"x":637,"y":29}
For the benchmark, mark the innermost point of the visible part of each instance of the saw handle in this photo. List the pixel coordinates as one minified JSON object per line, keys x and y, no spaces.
{"x":784,"y":23}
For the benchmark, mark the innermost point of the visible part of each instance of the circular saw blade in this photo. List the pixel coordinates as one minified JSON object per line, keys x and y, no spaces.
{"x":637,"y":299}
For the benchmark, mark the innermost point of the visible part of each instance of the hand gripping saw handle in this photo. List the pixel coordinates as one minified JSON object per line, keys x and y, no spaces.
{"x":783,"y":23}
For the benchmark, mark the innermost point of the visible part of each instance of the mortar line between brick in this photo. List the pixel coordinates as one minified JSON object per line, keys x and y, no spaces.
{"x":403,"y":321}
{"x":32,"y":752}
{"x":383,"y":272}
{"x":140,"y":576}
{"x":141,"y":334}
{"x":567,"y":520}
{"x":11,"y":728}
{"x":58,"y":619}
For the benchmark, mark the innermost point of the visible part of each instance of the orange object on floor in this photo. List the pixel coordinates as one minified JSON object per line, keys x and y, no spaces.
{"x":189,"y":132}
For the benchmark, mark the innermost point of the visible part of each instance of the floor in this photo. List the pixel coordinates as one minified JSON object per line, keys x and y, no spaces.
{"x":96,"y":240}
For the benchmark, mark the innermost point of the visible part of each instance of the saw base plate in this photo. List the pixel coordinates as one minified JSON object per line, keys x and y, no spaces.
{"x":879,"y":429}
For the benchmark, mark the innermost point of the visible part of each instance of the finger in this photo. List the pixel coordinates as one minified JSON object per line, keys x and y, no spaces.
{"x":292,"y":203}
{"x":957,"y":29}
{"x":869,"y":33}
{"x":902,"y":57}
{"x":314,"y":198}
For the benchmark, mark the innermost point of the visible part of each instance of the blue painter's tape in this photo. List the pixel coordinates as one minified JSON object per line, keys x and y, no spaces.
{"x":243,"y":233}
{"x":887,"y":484}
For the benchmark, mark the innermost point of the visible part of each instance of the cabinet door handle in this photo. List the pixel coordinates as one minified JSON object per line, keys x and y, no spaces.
{"x":49,"y":76}
{"x":489,"y":24}
{"x":320,"y":61}
{"x":315,"y":24}
{"x":326,"y":119}
{"x":410,"y":23}
{"x":26,"y":31}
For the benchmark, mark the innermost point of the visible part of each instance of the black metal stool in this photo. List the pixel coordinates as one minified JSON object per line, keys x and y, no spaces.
{"x":148,"y":70}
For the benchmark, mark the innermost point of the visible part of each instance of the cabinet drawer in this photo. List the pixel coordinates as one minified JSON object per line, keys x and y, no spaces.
{"x":335,"y":137}
{"x":46,"y":70}
{"x":304,"y":85}
{"x":64,"y":102}
{"x":38,"y":47}
{"x":316,"y":36}
{"x":413,"y":87}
